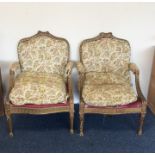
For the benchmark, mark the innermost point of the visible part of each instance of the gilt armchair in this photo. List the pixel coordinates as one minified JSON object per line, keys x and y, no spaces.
{"x":41,"y":83}
{"x":104,"y":79}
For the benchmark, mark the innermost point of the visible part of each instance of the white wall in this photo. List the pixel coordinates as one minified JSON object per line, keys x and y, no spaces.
{"x":77,"y":21}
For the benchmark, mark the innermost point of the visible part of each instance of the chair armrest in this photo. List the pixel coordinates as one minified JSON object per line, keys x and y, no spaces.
{"x":80,"y":67}
{"x":81,"y":70}
{"x":14,"y":71}
{"x":133,"y":67}
{"x":69,"y":68}
{"x":69,"y":81}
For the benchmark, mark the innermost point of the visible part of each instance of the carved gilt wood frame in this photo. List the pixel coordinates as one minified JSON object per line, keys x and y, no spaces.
{"x":111,"y":110}
{"x":11,"y":109}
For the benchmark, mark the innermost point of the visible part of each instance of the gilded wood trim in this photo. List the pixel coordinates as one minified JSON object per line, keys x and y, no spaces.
{"x":10,"y":109}
{"x":136,"y":72}
{"x":36,"y":111}
{"x":14,"y":71}
{"x":111,"y":111}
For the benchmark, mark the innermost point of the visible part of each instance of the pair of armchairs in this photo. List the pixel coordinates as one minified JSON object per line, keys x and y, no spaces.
{"x":41,"y":82}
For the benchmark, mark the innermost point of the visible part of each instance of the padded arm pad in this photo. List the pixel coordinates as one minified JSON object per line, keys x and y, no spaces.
{"x":69,"y":68}
{"x":14,"y":70}
{"x":80,"y":67}
{"x":15,"y":67}
{"x":133,"y":67}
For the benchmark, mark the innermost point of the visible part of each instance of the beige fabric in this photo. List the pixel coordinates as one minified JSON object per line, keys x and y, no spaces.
{"x":38,"y":88}
{"x":42,"y":53}
{"x":107,"y":55}
{"x":68,"y":68}
{"x":80,"y":67}
{"x":104,"y":78}
{"x":133,"y":67}
{"x":105,"y":61}
{"x":15,"y":67}
{"x":108,"y":94}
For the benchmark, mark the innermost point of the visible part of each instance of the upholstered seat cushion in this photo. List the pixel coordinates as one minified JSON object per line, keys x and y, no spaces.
{"x":136,"y":104}
{"x":105,"y":78}
{"x":108,"y":94}
{"x":38,"y":88}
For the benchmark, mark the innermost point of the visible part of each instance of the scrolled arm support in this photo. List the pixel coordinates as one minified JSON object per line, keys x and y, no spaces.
{"x":14,"y":71}
{"x":68,"y":71}
{"x":69,"y":68}
{"x":81,"y":71}
{"x":80,"y":67}
{"x":133,"y":67}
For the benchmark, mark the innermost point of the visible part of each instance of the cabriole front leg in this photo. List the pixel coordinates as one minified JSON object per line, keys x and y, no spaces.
{"x":9,"y":119}
{"x":81,"y":113}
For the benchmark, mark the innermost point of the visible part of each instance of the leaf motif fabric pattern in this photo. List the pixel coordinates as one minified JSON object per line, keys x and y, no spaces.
{"x":38,"y":88}
{"x":108,"y":94}
{"x":43,"y":54}
{"x":107,"y":78}
{"x":107,"y":55}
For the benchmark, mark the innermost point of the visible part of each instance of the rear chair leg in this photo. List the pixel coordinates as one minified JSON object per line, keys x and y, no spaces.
{"x":71,"y":122}
{"x":71,"y":116}
{"x":140,"y":131}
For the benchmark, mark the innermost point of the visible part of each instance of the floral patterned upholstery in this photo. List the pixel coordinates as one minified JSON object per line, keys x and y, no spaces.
{"x":43,"y":53}
{"x":38,"y":88}
{"x":107,"y":55}
{"x":104,"y":78}
{"x":105,"y":61}
{"x":44,"y":68}
{"x":108,"y":94}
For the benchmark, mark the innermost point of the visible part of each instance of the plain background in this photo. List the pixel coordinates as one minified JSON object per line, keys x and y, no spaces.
{"x":134,"y":22}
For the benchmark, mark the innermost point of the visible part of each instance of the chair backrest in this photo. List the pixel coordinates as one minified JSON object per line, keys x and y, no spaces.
{"x":106,"y":54}
{"x":43,"y":52}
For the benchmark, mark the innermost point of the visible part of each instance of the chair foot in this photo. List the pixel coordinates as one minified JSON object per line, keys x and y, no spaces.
{"x":71,"y":131}
{"x":11,"y":134}
{"x":81,"y":134}
{"x":140,"y":132}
